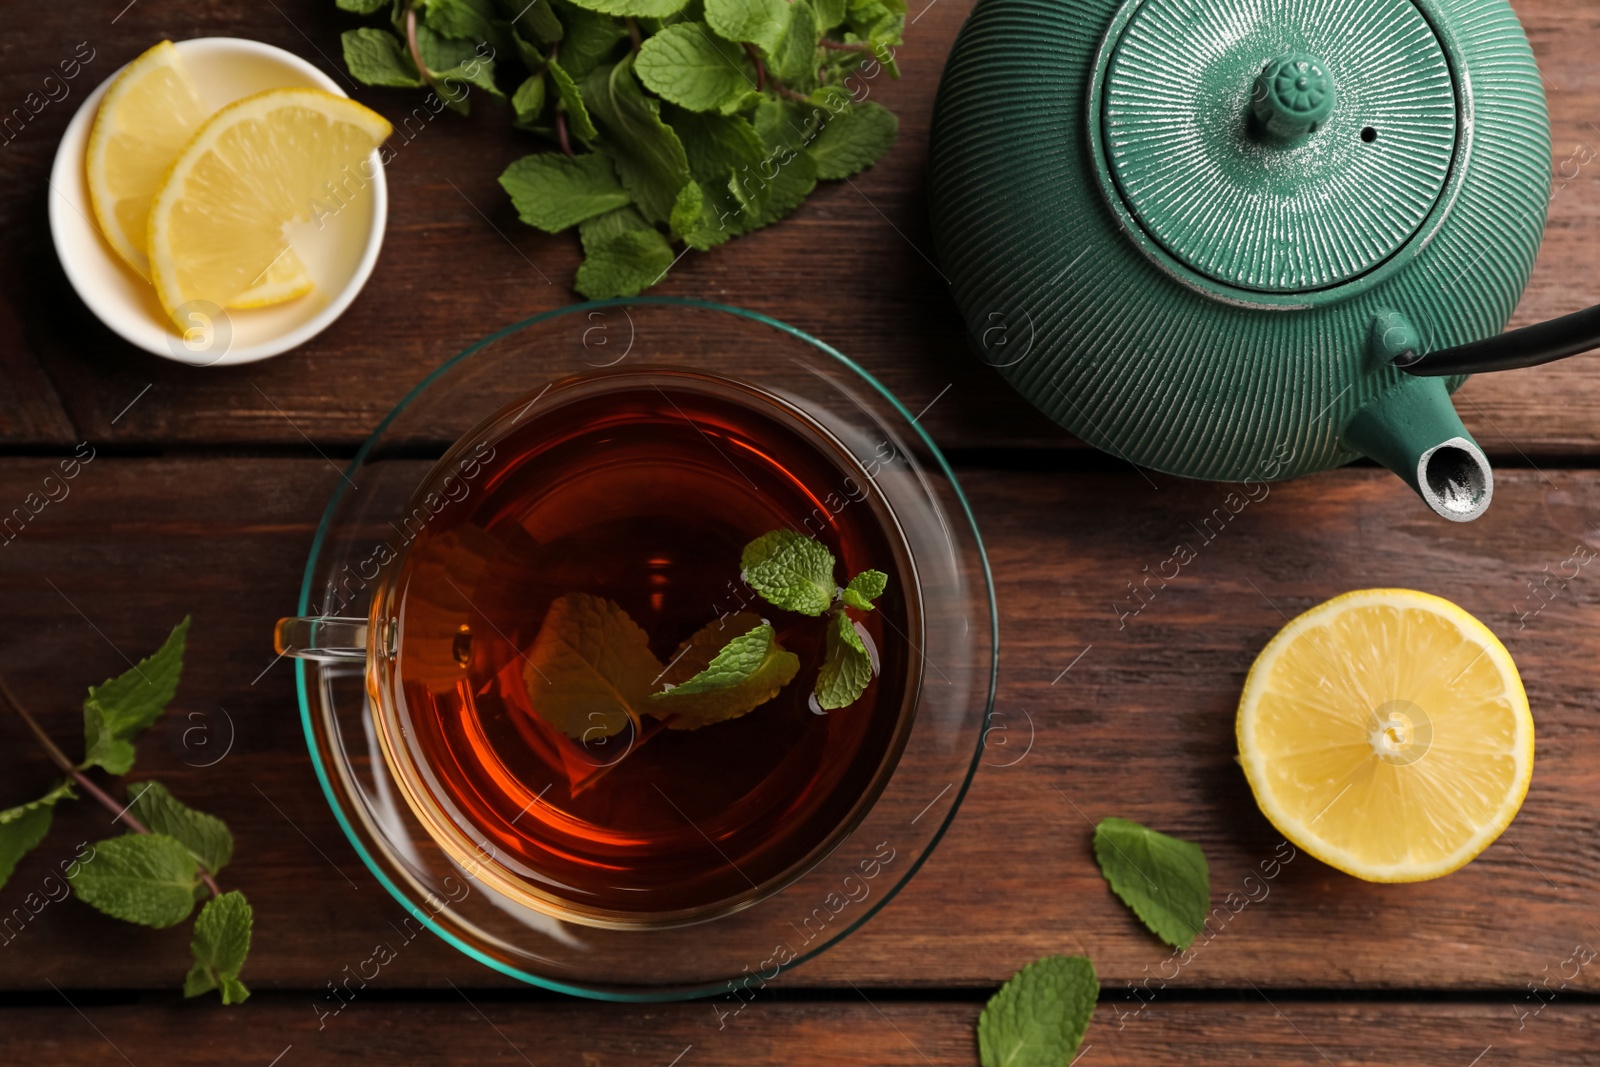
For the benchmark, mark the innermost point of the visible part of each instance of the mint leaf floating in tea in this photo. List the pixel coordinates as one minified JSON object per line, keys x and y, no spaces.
{"x":24,"y":826}
{"x":1163,"y":879}
{"x":864,"y":588}
{"x":790,"y":571}
{"x":590,"y":670}
{"x":221,"y":943}
{"x":205,"y":836}
{"x":120,"y":708}
{"x":1039,"y":1016}
{"x":149,"y":879}
{"x":154,"y":875}
{"x":847,"y":668}
{"x":746,"y":672}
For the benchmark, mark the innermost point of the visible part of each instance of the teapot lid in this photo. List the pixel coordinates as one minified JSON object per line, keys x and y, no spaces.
{"x":1248,"y":173}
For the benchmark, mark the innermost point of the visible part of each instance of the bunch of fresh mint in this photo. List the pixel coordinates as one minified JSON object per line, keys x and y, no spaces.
{"x":590,"y":672}
{"x":688,"y":121}
{"x":155,"y":874}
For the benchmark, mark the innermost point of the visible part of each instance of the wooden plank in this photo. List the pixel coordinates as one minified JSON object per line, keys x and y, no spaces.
{"x":1131,"y":715}
{"x":854,"y":265}
{"x":471,"y":1027}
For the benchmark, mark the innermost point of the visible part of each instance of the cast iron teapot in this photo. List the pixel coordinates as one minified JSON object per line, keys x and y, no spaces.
{"x":1237,"y":239}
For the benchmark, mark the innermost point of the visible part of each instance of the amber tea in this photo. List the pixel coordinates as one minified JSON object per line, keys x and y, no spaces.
{"x":571,"y":696}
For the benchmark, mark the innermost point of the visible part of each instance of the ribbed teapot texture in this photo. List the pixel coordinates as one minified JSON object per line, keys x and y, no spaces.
{"x":1190,"y":230}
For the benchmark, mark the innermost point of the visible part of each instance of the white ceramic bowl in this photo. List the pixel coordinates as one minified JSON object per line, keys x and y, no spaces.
{"x":339,"y":255}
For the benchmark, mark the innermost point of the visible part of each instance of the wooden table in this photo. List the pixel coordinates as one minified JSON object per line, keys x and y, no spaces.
{"x":206,"y":485}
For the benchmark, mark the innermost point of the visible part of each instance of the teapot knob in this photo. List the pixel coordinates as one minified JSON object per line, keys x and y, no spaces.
{"x":1293,"y":95}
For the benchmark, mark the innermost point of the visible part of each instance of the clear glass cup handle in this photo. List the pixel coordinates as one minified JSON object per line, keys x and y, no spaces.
{"x":321,"y":637}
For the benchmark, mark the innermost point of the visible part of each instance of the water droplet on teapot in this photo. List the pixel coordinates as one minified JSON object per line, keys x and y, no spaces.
{"x":461,"y":647}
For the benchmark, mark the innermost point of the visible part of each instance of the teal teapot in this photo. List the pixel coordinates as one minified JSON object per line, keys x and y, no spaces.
{"x":1248,"y":239}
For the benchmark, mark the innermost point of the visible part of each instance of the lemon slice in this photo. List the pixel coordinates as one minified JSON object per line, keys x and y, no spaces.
{"x":1386,"y":732}
{"x":148,"y":114}
{"x":217,"y":225}
{"x":284,"y":279}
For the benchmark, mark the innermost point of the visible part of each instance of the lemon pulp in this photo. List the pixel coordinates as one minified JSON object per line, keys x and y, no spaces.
{"x":216,"y":228}
{"x":148,"y":114}
{"x":1387,"y":733}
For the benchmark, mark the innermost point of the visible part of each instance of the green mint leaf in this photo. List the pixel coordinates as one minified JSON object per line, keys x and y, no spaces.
{"x":829,"y":13}
{"x":361,"y":7}
{"x":458,"y":68}
{"x":864,"y":588}
{"x":654,"y":9}
{"x":24,"y":826}
{"x":528,"y":102}
{"x":787,"y":174}
{"x":570,"y":98}
{"x":745,"y":672}
{"x":552,"y":191}
{"x":1039,"y":1016}
{"x":221,"y":943}
{"x":120,"y":708}
{"x":853,"y":140}
{"x":533,"y":20}
{"x":623,"y":255}
{"x":790,"y":571}
{"x":1163,"y":879}
{"x":725,"y":156}
{"x":465,"y":20}
{"x":647,"y":154}
{"x":590,"y":670}
{"x":378,"y":57}
{"x":761,"y":22}
{"x":205,"y":836}
{"x":148,"y":879}
{"x":846,"y":667}
{"x":794,"y":60}
{"x":590,"y":39}
{"x":694,"y":68}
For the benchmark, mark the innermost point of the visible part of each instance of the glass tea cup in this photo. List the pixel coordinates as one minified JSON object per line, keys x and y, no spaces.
{"x":369,"y":629}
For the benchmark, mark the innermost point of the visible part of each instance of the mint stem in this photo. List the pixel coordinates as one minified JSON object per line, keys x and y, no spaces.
{"x":842,"y":46}
{"x":123,"y":812}
{"x":761,"y":68}
{"x":416,"y":52}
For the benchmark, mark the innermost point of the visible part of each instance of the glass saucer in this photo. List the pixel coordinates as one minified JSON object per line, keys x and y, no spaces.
{"x":866,"y":865}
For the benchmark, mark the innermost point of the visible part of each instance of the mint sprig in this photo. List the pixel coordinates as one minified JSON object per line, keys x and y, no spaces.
{"x":614,"y":84}
{"x":154,"y":874}
{"x":794,"y":572}
{"x":1038,"y":1018}
{"x":1164,"y":880}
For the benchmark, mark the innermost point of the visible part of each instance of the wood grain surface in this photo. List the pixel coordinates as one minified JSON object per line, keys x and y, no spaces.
{"x":854,"y":265}
{"x":1101,"y":712}
{"x":474,"y":1026}
{"x":206,"y":485}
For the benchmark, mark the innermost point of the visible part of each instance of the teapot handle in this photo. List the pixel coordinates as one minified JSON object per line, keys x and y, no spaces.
{"x":1543,"y":342}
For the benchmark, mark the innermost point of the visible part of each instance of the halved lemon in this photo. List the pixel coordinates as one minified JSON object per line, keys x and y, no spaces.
{"x":1386,"y":732}
{"x":148,"y":114}
{"x":217,"y":225}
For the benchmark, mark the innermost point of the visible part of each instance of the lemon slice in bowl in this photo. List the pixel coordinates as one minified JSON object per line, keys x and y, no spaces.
{"x":217,"y":224}
{"x":1386,"y":732}
{"x":146,"y":117}
{"x":148,"y":114}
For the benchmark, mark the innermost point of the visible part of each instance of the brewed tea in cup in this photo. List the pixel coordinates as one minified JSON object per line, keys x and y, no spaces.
{"x":565,"y":567}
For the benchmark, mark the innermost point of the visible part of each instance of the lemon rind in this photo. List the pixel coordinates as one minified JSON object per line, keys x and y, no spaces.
{"x":1293,"y":828}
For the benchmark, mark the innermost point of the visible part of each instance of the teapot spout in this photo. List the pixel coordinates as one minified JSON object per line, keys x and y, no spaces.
{"x":1413,"y":429}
